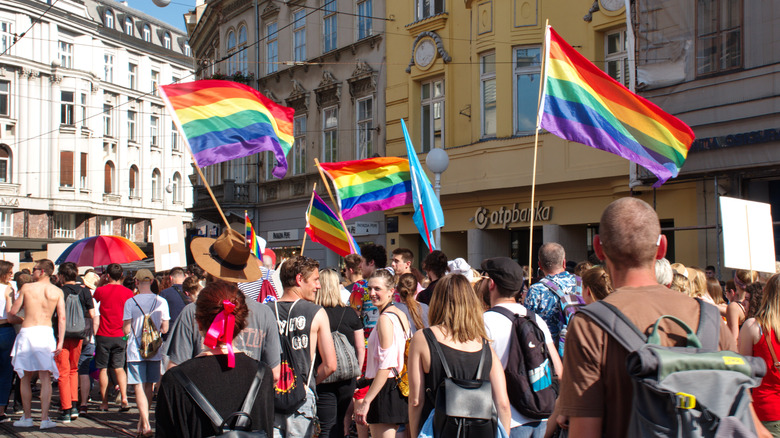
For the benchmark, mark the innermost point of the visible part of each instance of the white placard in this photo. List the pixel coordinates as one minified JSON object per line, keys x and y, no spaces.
{"x":12,"y":257}
{"x":168,"y":238}
{"x":748,"y":237}
{"x":55,"y":250}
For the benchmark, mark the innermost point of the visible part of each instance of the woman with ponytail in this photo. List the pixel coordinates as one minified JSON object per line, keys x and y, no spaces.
{"x":596,"y":284}
{"x":417,"y":313}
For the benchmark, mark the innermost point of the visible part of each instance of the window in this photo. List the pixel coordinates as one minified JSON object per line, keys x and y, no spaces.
{"x":5,"y":164}
{"x":132,"y":76}
{"x":187,"y":49}
{"x":64,"y":226}
{"x":106,"y":225}
{"x":83,"y":107}
{"x":153,"y":129}
{"x":329,"y":25}
{"x":5,"y":98}
{"x":718,"y":35}
{"x":487,"y":70}
{"x":108,"y":177}
{"x":527,"y":67}
{"x":108,"y":120}
{"x":109,"y":19}
{"x":174,"y":137}
{"x":299,"y":147}
{"x":429,"y":8}
{"x":7,"y":37}
{"x":167,"y":40}
{"x":243,"y":64}
{"x":330,"y":141}
{"x":272,"y":49}
{"x":176,"y":188}
{"x":66,"y":54}
{"x":147,"y":33}
{"x":133,"y":182}
{"x":365,"y":128}
{"x":365,"y":27}
{"x":108,"y":72}
{"x":66,"y":168}
{"x":131,"y":126}
{"x":6,"y":222}
{"x":83,"y":171}
{"x":129,"y":26}
{"x":299,"y":35}
{"x":155,"y":81}
{"x":156,"y":185}
{"x":66,"y":108}
{"x":231,"y":49}
{"x":432,"y":115}
{"x":129,"y":229}
{"x":616,"y":56}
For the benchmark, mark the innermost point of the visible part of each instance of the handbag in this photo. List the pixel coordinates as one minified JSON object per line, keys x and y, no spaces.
{"x":347,"y":363}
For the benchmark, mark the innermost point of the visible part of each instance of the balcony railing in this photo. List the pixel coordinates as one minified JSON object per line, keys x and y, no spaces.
{"x":61,"y":233}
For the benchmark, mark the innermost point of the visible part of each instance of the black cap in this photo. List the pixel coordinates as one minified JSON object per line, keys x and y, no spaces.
{"x":505,"y":272}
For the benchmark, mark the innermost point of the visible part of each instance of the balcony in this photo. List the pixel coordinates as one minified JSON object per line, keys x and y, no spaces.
{"x":229,"y":194}
{"x":61,"y":233}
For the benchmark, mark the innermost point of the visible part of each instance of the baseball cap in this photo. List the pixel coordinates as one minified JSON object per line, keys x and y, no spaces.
{"x":505,"y":272}
{"x":144,"y":274}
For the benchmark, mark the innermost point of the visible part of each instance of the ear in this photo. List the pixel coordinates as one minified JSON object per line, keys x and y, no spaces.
{"x":663,"y":244}
{"x":597,"y":248}
{"x":298,"y":279}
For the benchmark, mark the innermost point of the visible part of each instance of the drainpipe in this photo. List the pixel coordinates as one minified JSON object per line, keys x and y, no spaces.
{"x":257,"y":46}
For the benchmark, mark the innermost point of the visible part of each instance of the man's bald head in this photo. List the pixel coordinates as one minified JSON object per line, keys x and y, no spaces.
{"x":629,"y":233}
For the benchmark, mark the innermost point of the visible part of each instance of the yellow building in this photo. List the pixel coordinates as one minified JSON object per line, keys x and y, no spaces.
{"x":465,"y":76}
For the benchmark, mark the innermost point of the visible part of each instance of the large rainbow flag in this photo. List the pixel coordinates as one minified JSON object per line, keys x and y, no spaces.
{"x":373,"y":184}
{"x":323,"y":226}
{"x":581,"y":103}
{"x":224,"y":120}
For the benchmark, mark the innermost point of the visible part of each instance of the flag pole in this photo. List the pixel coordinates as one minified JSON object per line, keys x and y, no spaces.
{"x":336,"y":204}
{"x":308,"y":212}
{"x":536,"y":149}
{"x":246,"y":223}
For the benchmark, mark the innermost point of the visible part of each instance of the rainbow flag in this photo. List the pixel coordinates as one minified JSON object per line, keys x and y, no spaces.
{"x":255,"y":242}
{"x":225,"y":120}
{"x":582,"y":103}
{"x":323,"y":226}
{"x":373,"y":184}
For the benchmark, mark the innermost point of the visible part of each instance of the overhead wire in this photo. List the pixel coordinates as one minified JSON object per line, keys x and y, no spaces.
{"x":17,"y":38}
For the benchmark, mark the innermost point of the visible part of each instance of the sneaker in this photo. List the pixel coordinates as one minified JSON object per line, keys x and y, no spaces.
{"x":64,"y":417}
{"x":74,"y":413}
{"x":82,"y":409}
{"x":5,"y":419}
{"x":23,"y":422}
{"x":47,"y":424}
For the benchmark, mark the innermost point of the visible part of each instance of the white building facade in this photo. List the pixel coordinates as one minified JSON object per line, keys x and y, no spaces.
{"x":86,"y":146}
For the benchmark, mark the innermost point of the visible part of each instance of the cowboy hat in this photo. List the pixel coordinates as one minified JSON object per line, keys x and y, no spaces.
{"x":227,"y":257}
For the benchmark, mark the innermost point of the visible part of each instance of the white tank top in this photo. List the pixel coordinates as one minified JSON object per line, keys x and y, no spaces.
{"x":3,"y":288}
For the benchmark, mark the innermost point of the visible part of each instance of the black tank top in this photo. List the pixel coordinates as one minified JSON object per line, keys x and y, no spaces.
{"x":463,"y":365}
{"x":300,"y":329}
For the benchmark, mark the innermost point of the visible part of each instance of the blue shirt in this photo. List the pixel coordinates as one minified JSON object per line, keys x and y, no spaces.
{"x":175,"y":301}
{"x":542,"y":301}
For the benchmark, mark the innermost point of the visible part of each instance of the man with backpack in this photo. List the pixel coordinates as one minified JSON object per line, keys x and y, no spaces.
{"x":79,"y":312}
{"x":597,"y":390}
{"x":554,"y":295}
{"x":175,"y":296}
{"x":505,"y":282}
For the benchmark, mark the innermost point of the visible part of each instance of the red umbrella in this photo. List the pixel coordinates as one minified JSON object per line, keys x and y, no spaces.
{"x":101,"y":250}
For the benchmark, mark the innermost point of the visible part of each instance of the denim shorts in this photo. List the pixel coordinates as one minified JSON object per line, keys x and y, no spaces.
{"x":87,"y":354}
{"x":146,"y":371}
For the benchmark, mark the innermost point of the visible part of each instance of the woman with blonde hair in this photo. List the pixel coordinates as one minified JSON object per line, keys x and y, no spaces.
{"x":334,"y":398}
{"x":760,"y":337}
{"x":698,"y":283}
{"x":736,"y":312}
{"x":457,"y":328}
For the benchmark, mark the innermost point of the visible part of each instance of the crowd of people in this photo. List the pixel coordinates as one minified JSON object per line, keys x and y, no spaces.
{"x":370,"y":350}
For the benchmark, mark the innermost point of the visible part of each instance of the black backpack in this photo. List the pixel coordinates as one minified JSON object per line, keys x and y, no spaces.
{"x":528,"y":372}
{"x":242,"y":426}
{"x":464,"y":408}
{"x":289,"y":391}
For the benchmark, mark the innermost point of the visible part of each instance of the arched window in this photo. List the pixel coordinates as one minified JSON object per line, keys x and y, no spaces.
{"x":134,"y":192}
{"x":156,"y":185}
{"x":147,"y":33}
{"x":167,"y":40}
{"x":109,"y":19}
{"x":231,"y":48}
{"x":176,"y":185}
{"x":5,"y":164}
{"x":108,"y":177}
{"x":242,"y":56}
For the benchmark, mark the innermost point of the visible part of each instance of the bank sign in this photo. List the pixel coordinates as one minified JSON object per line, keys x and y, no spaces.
{"x":505,"y":216}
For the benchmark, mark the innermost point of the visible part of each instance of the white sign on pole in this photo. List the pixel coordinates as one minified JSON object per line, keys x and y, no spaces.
{"x":748,"y":237}
{"x":169,"y":249}
{"x":12,"y":257}
{"x":55,"y":250}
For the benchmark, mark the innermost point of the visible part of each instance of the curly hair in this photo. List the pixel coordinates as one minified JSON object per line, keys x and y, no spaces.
{"x":436,"y":262}
{"x":294,"y":266}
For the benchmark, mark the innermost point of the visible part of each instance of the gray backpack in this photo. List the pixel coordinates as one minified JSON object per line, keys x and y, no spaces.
{"x":692,"y":391}
{"x":74,"y":317}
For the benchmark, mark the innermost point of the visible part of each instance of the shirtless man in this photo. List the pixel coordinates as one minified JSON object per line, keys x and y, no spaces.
{"x":35,"y":348}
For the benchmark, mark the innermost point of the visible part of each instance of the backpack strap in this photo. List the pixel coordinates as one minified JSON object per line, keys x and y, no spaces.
{"x":444,"y":364}
{"x":708,"y":330}
{"x":616,"y":324}
{"x":244,"y":422}
{"x":512,"y":315}
{"x":553,"y":286}
{"x":139,"y":307}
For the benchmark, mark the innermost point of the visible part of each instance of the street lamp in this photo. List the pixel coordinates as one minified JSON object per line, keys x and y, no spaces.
{"x":437,"y":162}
